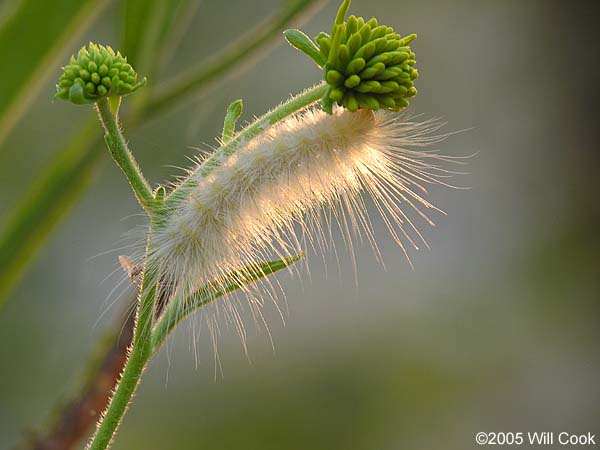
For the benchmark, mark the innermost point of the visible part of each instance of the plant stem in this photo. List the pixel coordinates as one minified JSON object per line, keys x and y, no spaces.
{"x":63,"y":181}
{"x":140,"y":352}
{"x":144,"y":341}
{"x":122,"y":156}
{"x":282,"y":111}
{"x":71,"y":422}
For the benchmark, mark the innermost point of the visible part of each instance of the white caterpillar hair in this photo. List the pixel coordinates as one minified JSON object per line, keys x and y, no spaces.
{"x":284,"y":189}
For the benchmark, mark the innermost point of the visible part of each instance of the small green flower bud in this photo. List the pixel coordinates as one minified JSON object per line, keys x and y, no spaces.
{"x":367,"y":65}
{"x":96,"y":72}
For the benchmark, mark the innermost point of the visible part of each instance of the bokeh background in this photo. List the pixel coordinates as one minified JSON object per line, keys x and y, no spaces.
{"x":495,"y":329}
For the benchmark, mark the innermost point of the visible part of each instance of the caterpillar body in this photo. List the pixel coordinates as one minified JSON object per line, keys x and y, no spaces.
{"x":286,"y":188}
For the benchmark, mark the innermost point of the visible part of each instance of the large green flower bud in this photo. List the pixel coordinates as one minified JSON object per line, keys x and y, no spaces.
{"x":97,"y":72}
{"x":368,"y":65}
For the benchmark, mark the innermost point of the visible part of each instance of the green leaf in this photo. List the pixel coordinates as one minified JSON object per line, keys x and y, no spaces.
{"x":215,"y":69}
{"x":32,"y":40}
{"x":180,"y":308}
{"x":234,"y":111}
{"x":302,"y":42}
{"x":44,"y":205}
{"x":146,"y":24}
{"x":61,"y":184}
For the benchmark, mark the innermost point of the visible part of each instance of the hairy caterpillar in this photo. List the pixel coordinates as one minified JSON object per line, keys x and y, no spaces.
{"x":284,"y":189}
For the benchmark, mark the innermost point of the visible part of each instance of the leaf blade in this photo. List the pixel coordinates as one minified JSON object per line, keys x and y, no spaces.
{"x":30,"y":61}
{"x":146,"y":23}
{"x":19,"y":258}
{"x":303,"y":43}
{"x":45,"y":203}
{"x":179,"y":309}
{"x":236,"y":53}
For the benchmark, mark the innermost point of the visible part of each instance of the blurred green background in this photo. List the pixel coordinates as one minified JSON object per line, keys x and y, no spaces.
{"x":496,"y":328}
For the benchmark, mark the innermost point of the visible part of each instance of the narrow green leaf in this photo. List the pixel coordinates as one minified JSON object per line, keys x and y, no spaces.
{"x":69,"y":175}
{"x":32,"y":40}
{"x":179,"y":27}
{"x":180,"y":308}
{"x":234,"y":111}
{"x":146,"y":24}
{"x":302,"y":42}
{"x":246,"y":47}
{"x":46,"y":203}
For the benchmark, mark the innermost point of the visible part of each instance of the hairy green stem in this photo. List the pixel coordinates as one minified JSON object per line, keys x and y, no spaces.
{"x":123,"y":156}
{"x":282,"y":111}
{"x":146,"y":342}
{"x":141,"y":348}
{"x":140,"y":352}
{"x":20,"y":240}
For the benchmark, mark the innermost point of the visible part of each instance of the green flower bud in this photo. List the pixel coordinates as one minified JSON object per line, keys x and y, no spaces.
{"x":367,"y":65}
{"x":97,"y":72}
